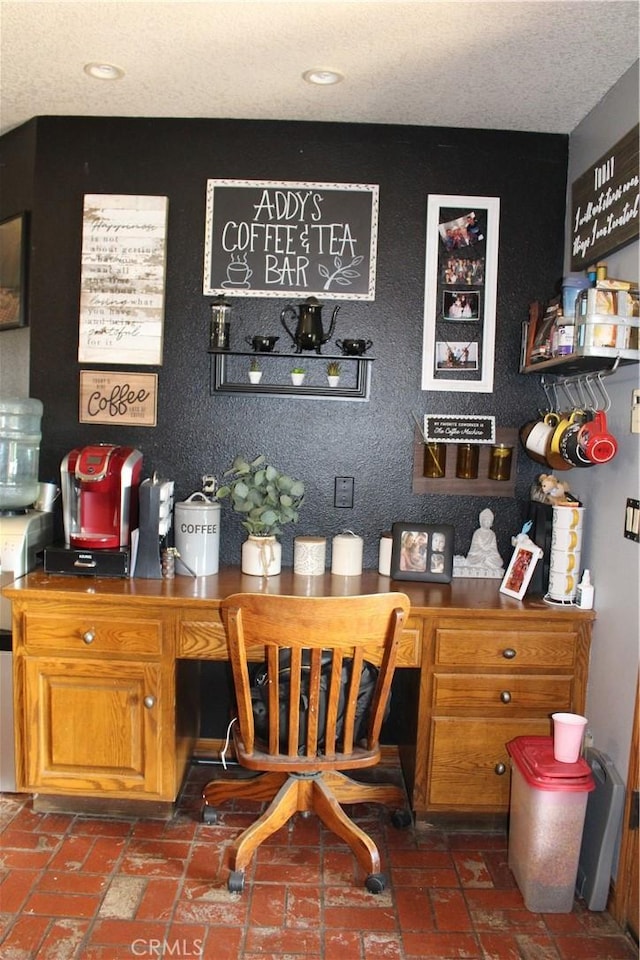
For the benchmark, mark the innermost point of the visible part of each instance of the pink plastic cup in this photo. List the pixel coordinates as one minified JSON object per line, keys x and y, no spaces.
{"x":568,"y":731}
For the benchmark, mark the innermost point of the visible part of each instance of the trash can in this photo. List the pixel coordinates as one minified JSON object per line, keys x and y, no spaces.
{"x":546,"y":821}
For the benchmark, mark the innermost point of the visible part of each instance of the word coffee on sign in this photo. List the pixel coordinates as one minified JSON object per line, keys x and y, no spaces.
{"x":122,"y":398}
{"x":282,"y":238}
{"x":451,"y":428}
{"x":605,"y":203}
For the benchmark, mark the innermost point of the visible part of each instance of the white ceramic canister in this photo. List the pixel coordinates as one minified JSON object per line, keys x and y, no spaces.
{"x":197,"y":535}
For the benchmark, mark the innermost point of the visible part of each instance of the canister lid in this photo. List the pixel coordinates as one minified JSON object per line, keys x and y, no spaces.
{"x":535,"y":761}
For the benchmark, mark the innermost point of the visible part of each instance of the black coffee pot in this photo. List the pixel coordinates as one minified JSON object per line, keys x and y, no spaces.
{"x":309,"y":333}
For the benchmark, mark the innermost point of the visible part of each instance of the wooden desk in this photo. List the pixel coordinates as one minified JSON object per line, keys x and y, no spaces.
{"x":107,"y":697}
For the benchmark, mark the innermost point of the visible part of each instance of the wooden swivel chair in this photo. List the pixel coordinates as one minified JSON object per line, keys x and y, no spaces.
{"x":300,"y":770}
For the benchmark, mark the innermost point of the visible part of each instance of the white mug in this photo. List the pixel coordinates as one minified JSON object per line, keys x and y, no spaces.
{"x":565,"y":539}
{"x":564,"y":561}
{"x":562,"y":586}
{"x":567,"y":518}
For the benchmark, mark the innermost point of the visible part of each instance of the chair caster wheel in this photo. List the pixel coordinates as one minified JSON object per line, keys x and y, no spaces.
{"x":375,"y":882}
{"x":401,"y":819}
{"x":235,"y":883}
{"x":209,"y":815}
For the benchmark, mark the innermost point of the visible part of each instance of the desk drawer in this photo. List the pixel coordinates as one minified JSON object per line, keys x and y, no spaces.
{"x":500,"y":696}
{"x":92,"y":635}
{"x":492,"y":648}
{"x":470,"y":764}
{"x":206,"y":640}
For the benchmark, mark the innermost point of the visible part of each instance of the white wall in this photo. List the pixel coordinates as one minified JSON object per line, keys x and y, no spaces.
{"x":612,"y":559}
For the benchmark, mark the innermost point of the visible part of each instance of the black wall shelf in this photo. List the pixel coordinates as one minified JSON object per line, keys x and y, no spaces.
{"x":230,"y":374}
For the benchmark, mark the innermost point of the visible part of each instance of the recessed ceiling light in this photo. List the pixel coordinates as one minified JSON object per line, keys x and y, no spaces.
{"x":103,"y":71}
{"x":322,"y":77}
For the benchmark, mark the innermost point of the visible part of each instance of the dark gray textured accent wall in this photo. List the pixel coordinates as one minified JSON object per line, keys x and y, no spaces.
{"x":314,"y":440}
{"x":53,"y":161}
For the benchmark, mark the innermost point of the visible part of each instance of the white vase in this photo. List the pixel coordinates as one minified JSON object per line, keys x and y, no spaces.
{"x":255,"y":376}
{"x":297,"y":379}
{"x":261,"y":556}
{"x":333,"y":380}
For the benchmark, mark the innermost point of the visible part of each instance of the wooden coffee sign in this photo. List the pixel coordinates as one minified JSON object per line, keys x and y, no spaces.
{"x":121,"y":398}
{"x":604,"y":204}
{"x":282,"y":239}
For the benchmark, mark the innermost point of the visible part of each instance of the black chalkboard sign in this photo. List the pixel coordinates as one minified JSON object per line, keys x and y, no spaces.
{"x":451,"y":428}
{"x":604,"y":204}
{"x":277,"y":239}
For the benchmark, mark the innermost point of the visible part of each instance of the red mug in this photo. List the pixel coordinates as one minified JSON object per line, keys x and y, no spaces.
{"x":595,"y":441}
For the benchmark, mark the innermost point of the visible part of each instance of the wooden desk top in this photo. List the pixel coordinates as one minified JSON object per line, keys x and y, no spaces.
{"x":462,"y":597}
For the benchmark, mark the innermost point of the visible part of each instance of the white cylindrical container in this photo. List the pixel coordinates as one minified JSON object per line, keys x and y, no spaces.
{"x":384,"y":555}
{"x":261,"y":556}
{"x":197,"y":536}
{"x":346,"y":554}
{"x":309,"y":556}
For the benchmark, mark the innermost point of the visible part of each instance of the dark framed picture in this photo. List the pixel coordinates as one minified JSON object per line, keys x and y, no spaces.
{"x":422,"y":551}
{"x":13,"y":272}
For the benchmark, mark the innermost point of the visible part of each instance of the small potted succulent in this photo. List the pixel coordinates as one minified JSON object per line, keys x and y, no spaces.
{"x":333,"y":372}
{"x":297,"y":376}
{"x":255,"y":373}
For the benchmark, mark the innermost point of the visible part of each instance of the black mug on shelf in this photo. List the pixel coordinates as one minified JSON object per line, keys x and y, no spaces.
{"x":262,"y":344}
{"x":354,"y":347}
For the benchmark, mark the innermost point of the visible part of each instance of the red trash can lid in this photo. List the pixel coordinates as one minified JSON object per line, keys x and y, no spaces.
{"x":535,"y":761}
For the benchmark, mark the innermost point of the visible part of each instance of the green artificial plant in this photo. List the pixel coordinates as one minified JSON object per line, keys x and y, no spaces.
{"x":264,"y":497}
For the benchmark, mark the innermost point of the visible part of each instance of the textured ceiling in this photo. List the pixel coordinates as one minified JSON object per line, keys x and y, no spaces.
{"x":537,"y":65}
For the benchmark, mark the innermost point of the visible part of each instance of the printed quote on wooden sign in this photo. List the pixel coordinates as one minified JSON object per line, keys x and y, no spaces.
{"x":120,"y":398}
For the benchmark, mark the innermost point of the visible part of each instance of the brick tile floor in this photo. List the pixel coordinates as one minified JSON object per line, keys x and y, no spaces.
{"x":88,"y":888}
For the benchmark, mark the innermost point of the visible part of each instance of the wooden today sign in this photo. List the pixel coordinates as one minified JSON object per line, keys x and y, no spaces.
{"x":604,"y":204}
{"x":122,"y":398}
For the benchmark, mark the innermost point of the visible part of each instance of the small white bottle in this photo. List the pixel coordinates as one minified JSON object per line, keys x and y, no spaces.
{"x":584,"y":592}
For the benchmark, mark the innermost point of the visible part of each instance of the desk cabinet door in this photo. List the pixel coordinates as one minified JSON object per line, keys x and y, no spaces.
{"x":92,"y":726}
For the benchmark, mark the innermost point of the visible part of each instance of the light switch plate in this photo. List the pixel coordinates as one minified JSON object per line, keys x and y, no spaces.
{"x":632,"y":520}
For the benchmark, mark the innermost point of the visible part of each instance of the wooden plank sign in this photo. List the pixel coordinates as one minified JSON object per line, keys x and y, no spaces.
{"x":604,"y":204}
{"x":122,"y":398}
{"x":122,"y":280}
{"x":282,"y":239}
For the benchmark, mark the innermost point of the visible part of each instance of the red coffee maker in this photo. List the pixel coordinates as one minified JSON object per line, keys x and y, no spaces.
{"x":100,"y":496}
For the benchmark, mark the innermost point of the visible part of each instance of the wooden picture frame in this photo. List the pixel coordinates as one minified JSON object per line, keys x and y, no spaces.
{"x":461,"y":270}
{"x":13,"y":272}
{"x":523,"y":562}
{"x":422,"y":551}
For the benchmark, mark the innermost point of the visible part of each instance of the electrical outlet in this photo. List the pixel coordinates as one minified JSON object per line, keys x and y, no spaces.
{"x":343,"y":492}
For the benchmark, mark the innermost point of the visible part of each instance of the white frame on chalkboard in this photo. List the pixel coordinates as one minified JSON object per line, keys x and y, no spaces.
{"x":239,"y":285}
{"x":432,"y":378}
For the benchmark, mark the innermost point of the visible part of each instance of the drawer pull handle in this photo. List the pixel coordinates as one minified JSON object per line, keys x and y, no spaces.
{"x":85,"y":563}
{"x":505,"y":696}
{"x":500,"y":769}
{"x":149,"y":702}
{"x":509,"y":653}
{"x":89,"y":636}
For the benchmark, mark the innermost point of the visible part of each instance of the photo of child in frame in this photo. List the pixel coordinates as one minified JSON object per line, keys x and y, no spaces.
{"x":413,"y":550}
{"x":460,"y":305}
